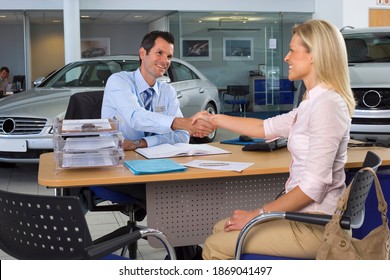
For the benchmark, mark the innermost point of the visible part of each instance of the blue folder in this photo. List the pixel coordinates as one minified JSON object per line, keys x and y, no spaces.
{"x":153,"y":166}
{"x":236,"y":141}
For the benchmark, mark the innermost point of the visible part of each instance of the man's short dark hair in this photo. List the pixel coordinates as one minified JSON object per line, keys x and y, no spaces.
{"x":4,"y":68}
{"x":149,"y":39}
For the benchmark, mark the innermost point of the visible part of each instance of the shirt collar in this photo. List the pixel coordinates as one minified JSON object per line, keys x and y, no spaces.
{"x":142,"y":85}
{"x":315,"y":91}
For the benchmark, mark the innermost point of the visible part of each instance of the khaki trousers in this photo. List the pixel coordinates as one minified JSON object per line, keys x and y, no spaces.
{"x":277,"y":238}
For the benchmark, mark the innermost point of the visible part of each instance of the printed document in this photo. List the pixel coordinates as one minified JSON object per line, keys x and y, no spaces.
{"x":219,"y":165}
{"x":180,"y":150}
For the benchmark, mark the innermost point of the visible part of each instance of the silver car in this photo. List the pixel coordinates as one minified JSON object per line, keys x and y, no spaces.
{"x":26,"y":118}
{"x":369,"y":66}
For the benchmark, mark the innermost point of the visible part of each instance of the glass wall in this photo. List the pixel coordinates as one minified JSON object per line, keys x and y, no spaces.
{"x":240,"y":48}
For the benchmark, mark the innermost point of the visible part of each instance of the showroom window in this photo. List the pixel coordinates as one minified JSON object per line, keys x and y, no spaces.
{"x":240,"y":48}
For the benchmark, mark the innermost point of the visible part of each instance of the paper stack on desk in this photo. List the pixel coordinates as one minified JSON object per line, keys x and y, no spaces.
{"x":87,"y":143}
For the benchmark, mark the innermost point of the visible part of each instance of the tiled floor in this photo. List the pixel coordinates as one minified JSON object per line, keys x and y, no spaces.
{"x":22,"y":178}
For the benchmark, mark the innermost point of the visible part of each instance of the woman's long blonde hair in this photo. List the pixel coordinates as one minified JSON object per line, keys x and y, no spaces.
{"x":326,"y":44}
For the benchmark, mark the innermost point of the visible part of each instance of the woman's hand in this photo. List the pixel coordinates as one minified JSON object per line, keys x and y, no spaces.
{"x":239,"y":219}
{"x":203,"y":115}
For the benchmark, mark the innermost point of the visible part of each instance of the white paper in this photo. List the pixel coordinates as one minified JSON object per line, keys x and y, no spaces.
{"x":89,"y":144}
{"x":87,"y":160}
{"x":219,"y":165}
{"x":76,"y":125}
{"x":179,"y":150}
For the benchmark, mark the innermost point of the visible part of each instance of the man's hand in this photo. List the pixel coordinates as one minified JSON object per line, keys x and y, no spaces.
{"x":129,"y":145}
{"x":198,"y":128}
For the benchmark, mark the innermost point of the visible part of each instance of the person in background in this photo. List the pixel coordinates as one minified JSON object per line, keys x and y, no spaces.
{"x":318,"y":135}
{"x":148,"y":110}
{"x":4,"y":74}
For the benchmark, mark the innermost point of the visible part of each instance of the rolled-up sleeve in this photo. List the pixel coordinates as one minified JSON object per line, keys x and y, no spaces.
{"x":279,"y":126}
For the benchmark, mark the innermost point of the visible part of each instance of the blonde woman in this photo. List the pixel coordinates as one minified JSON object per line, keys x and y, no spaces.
{"x":318,"y":134}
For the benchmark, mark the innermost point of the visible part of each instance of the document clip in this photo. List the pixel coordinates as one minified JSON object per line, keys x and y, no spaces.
{"x":88,"y":127}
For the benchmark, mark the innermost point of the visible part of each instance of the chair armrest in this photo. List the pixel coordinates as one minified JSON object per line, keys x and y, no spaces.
{"x":318,"y":219}
{"x":255,"y":221}
{"x":109,"y":246}
{"x":104,"y":248}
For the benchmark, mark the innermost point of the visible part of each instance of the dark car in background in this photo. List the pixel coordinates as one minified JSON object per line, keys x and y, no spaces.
{"x":26,"y":118}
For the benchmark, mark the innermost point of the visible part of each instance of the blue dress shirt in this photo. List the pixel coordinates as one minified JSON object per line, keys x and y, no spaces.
{"x":122,"y":100}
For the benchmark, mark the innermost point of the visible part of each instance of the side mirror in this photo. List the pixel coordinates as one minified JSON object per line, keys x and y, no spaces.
{"x":38,"y":81}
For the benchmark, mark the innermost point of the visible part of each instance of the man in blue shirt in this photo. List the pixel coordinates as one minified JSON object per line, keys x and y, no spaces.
{"x":149,"y":112}
{"x":147,"y":109}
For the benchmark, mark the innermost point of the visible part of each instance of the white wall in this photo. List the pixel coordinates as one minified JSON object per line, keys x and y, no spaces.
{"x":346,"y":12}
{"x":356,"y":12}
{"x":11,"y":54}
{"x":331,"y":10}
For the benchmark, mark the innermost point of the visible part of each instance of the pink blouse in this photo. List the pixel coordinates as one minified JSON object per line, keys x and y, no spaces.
{"x":318,"y":135}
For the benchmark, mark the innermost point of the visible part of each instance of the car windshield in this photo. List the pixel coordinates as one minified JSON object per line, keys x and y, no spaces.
{"x":368,"y":47}
{"x":87,"y":73}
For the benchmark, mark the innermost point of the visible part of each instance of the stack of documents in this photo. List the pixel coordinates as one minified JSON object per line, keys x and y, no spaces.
{"x":87,"y":143}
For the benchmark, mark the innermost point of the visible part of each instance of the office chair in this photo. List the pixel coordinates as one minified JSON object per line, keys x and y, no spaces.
{"x":239,"y":94}
{"x":103,"y":72}
{"x":352,"y":218}
{"x":19,"y":83}
{"x":40,"y":227}
{"x":87,"y":105}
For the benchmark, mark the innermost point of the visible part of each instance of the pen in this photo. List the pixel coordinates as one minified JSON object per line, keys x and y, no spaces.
{"x":214,"y":164}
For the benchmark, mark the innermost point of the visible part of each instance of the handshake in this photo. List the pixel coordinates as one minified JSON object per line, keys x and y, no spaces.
{"x":199,"y":125}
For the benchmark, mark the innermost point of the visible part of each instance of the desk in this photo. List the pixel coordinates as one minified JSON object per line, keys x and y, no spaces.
{"x":186,"y":205}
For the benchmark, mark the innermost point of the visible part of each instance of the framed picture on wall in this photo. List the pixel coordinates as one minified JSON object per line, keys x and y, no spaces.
{"x":237,"y":48}
{"x":93,"y":47}
{"x":195,"y":49}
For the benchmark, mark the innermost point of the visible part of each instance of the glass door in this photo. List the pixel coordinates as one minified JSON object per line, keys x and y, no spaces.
{"x":273,"y":60}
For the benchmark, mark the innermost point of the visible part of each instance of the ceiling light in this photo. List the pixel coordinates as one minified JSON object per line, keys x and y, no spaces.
{"x":233,"y":29}
{"x":2,"y":16}
{"x":220,"y":28}
{"x":84,"y":16}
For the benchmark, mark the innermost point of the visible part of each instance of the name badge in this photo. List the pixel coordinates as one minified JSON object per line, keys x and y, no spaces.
{"x":159,"y":109}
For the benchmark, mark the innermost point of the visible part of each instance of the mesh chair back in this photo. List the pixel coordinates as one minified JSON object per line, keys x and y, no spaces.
{"x":103,"y":72}
{"x":42,"y":227}
{"x":360,"y":187}
{"x":85,"y":105}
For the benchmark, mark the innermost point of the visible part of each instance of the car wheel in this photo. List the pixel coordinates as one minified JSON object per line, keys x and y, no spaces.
{"x":209,"y":138}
